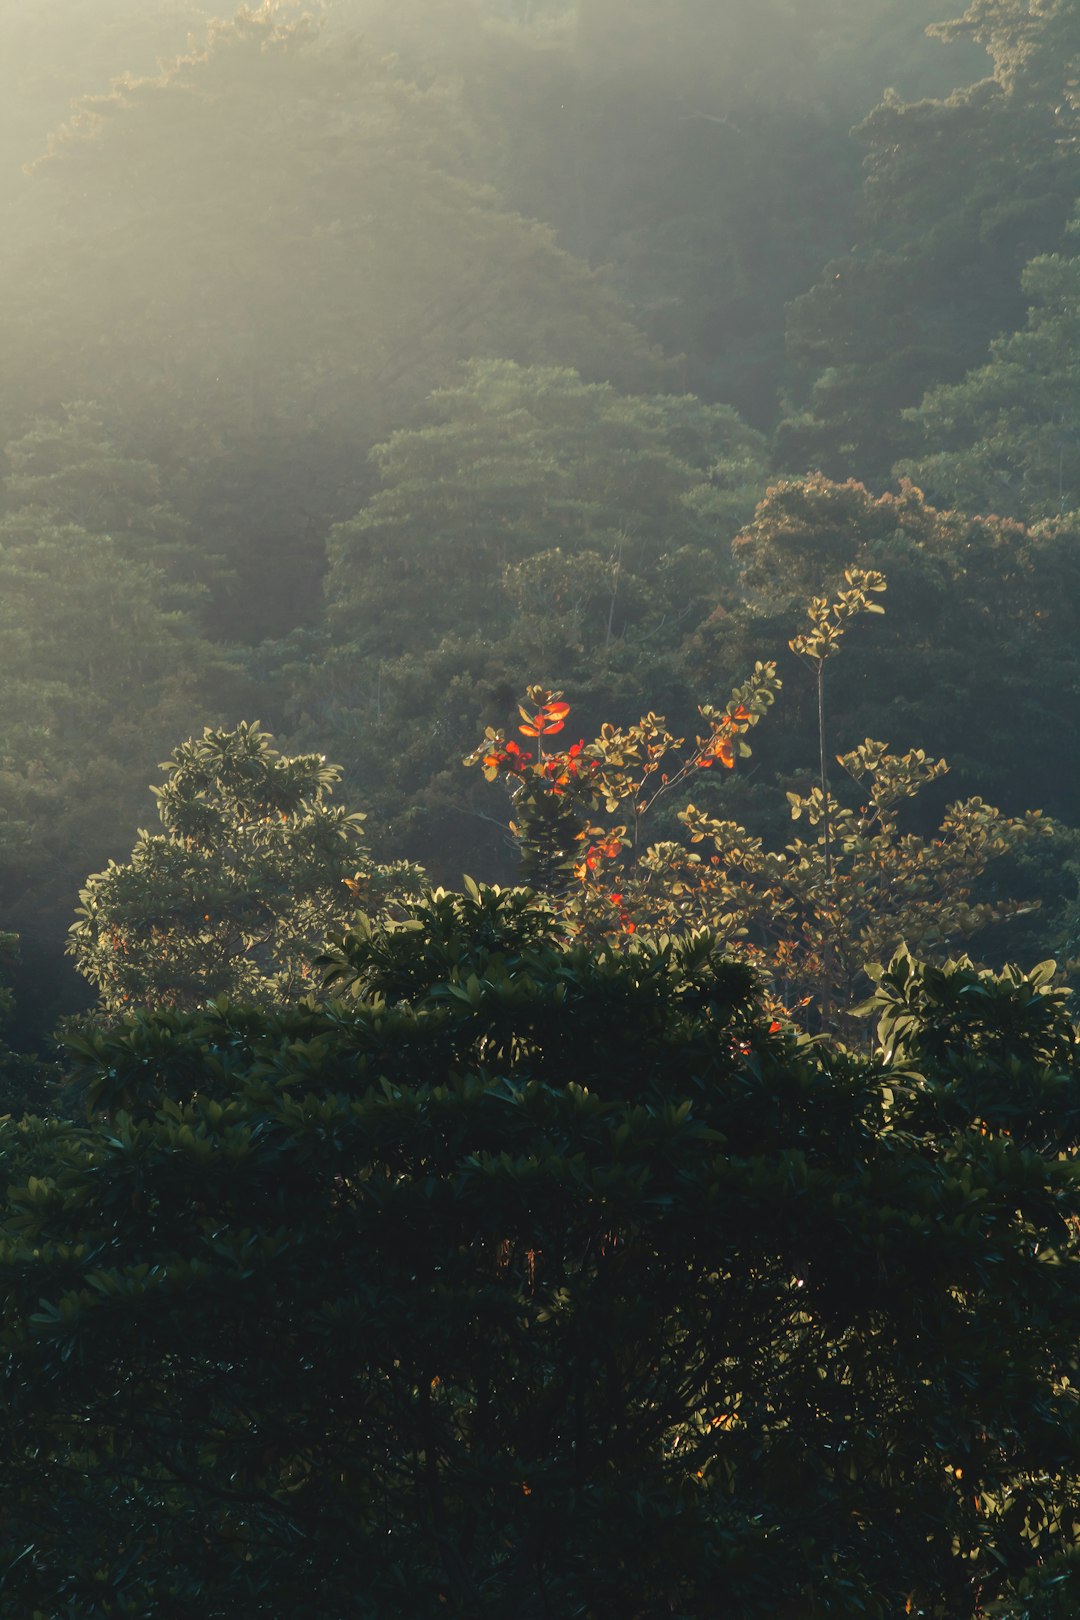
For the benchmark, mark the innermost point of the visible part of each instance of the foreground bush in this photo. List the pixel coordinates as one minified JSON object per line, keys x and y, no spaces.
{"x":526,"y":1282}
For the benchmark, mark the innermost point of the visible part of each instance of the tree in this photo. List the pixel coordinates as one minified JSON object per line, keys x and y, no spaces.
{"x":828,"y":623}
{"x":810,"y":915}
{"x":1035,"y":46}
{"x":60,"y":50}
{"x":815,"y":647}
{"x":254,"y":870}
{"x":1007,"y":438}
{"x":545,"y":1283}
{"x":702,"y":151}
{"x":529,"y":525}
{"x":976,"y":656}
{"x":69,"y":469}
{"x":935,"y":272}
{"x":259,"y":261}
{"x":581,"y":502}
{"x":105,"y":660}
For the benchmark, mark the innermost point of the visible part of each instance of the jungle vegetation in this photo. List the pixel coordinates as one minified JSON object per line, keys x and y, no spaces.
{"x":539,"y":808}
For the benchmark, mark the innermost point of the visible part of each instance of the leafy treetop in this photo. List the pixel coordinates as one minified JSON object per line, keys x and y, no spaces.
{"x":255,"y":868}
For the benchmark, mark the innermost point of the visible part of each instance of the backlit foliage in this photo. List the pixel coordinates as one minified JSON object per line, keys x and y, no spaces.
{"x":253,"y":870}
{"x":810,"y":914}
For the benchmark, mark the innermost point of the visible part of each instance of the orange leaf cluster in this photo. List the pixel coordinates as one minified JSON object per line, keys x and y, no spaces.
{"x":509,"y":757}
{"x":719,"y":749}
{"x":546,"y":721}
{"x":562,"y":769}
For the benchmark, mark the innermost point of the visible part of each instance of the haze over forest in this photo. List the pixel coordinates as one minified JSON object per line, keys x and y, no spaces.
{"x":540,"y":809}
{"x":349,"y":350}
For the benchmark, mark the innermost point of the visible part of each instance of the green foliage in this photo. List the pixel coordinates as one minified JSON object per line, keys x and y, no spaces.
{"x":701,"y":150}
{"x":260,"y":257}
{"x":69,"y":469}
{"x":1035,"y":46}
{"x":254,"y":869}
{"x":27,"y":1084}
{"x":555,"y":1284}
{"x":534,"y":527}
{"x":816,"y":912}
{"x":829,"y":620}
{"x":442,"y":938}
{"x":105,"y":660}
{"x":958,"y":1025}
{"x":586,"y":496}
{"x":260,"y":260}
{"x":977,"y":656}
{"x":809,"y":915}
{"x":1007,"y":438}
{"x":934,"y":273}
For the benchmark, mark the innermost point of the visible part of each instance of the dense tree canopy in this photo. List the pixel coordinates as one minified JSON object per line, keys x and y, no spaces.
{"x":547,"y":1284}
{"x":266,"y":245}
{"x":107,"y":661}
{"x":1007,"y":438}
{"x":686,"y":1232}
{"x":530,"y":526}
{"x":580,"y":502}
{"x":362,"y":263}
{"x":959,"y":194}
{"x":975,"y":657}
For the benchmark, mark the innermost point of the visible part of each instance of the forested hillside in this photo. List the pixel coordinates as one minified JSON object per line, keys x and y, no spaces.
{"x":368,"y":363}
{"x":539,"y":809}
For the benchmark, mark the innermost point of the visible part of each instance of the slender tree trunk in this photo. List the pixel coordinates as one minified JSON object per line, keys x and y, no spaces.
{"x":826,"y":820}
{"x":614,"y":594}
{"x":826,"y":825}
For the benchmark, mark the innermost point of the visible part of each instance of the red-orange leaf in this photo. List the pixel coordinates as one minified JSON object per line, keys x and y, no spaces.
{"x":722,"y":751}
